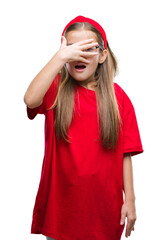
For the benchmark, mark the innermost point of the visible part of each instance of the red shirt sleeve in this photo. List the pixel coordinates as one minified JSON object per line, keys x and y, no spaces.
{"x":47,"y":100}
{"x":131,"y":135}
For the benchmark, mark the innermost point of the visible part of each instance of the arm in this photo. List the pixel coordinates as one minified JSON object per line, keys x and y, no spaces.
{"x":128,"y":208}
{"x":128,"y":178}
{"x":41,"y":83}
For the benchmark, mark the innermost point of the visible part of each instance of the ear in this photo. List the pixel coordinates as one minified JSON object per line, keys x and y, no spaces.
{"x":103,"y":56}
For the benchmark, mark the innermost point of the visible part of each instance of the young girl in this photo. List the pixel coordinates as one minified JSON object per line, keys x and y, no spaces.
{"x":86,"y":186}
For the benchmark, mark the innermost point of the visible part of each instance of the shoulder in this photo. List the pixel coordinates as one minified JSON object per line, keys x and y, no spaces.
{"x":118,"y":90}
{"x":122,"y":98}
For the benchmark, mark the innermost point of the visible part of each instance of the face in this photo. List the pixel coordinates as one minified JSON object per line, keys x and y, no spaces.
{"x":87,"y":74}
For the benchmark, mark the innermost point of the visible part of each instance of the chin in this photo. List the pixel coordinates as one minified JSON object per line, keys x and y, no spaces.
{"x":81,"y":77}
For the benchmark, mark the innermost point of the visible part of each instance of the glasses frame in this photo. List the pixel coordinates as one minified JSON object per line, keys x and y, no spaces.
{"x":98,"y":46}
{"x":94,"y":48}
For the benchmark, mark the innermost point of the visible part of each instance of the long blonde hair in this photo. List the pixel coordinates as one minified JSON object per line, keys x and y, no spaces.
{"x":109,"y":120}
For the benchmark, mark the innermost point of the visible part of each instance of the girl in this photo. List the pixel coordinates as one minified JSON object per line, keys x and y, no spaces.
{"x":91,"y":132}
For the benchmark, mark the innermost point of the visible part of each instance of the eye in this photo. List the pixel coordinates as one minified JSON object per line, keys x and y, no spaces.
{"x":91,"y":49}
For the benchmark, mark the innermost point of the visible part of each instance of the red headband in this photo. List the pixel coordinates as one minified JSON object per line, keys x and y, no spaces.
{"x":92,"y":22}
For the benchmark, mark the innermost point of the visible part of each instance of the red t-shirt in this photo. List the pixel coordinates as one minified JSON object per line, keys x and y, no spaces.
{"x":80,"y":194}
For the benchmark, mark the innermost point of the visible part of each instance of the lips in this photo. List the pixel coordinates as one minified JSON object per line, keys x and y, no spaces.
{"x":80,"y":66}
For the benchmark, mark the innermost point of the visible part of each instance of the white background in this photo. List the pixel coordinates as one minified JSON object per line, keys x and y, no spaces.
{"x":30,"y":36}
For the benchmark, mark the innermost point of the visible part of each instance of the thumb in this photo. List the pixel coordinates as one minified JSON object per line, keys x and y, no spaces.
{"x":63,"y":41}
{"x":123,"y":216}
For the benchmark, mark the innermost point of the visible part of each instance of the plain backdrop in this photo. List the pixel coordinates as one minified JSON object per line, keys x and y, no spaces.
{"x":30,"y":36}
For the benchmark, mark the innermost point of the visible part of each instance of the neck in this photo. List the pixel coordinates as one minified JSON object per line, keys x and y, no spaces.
{"x":90,"y":84}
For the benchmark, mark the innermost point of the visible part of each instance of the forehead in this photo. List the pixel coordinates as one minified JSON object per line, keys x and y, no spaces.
{"x":80,"y":35}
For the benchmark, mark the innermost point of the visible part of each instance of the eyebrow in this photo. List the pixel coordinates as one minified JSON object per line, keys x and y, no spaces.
{"x":69,"y":44}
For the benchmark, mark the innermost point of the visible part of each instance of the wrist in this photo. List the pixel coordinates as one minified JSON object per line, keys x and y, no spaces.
{"x":130,"y":198}
{"x":61,"y":57}
{"x":59,"y":60}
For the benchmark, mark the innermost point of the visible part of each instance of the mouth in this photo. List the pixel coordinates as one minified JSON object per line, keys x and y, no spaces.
{"x":80,"y":67}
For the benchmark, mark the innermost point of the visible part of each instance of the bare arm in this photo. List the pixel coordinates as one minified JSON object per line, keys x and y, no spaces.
{"x":41,"y":83}
{"x":128,"y":208}
{"x":128,"y":178}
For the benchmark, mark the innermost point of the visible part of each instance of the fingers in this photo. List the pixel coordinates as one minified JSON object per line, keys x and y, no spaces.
{"x":85,"y":54}
{"x":131,"y":218}
{"x":89,"y":43}
{"x":63,"y":42}
{"x":84,"y":60}
{"x":76,"y":51}
{"x":89,"y":54}
{"x":85,"y":42}
{"x":130,"y":226}
{"x":123,"y":216}
{"x":87,"y":46}
{"x":81,"y":43}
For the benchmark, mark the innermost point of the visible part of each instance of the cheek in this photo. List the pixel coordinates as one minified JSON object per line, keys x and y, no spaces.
{"x":68,"y":66}
{"x":95,"y":58}
{"x":95,"y":61}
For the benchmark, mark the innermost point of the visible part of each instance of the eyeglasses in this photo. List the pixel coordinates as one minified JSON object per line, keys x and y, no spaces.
{"x":93,"y":49}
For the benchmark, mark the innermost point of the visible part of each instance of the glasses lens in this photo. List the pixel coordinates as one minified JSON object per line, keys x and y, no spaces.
{"x":93,"y":49}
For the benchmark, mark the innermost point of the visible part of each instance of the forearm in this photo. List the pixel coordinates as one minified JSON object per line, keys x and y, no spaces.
{"x":128,"y":178}
{"x":41,"y":83}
